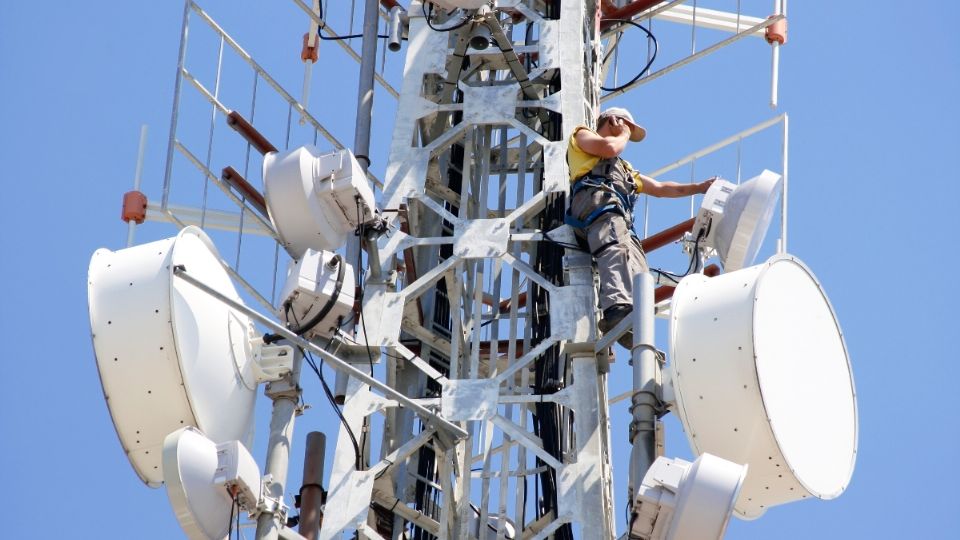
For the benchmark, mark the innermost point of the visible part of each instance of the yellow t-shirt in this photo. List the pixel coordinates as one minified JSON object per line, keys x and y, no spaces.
{"x":582,"y":162}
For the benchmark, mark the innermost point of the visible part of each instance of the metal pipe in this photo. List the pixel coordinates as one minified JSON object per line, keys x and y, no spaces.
{"x":250,"y":193}
{"x":775,"y":60}
{"x":717,"y":146}
{"x":645,"y":375}
{"x":396,"y":29}
{"x":774,"y":74}
{"x":783,"y":198}
{"x":664,"y":237}
{"x":311,"y":492}
{"x":132,"y":225}
{"x":368,"y":68}
{"x":250,"y":133}
{"x":211,"y":131}
{"x":178,"y":83}
{"x":325,"y":28}
{"x":334,"y":362}
{"x":361,"y":139}
{"x":285,"y":394}
{"x":265,"y":222}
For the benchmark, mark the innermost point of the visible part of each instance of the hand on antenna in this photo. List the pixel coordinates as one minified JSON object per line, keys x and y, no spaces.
{"x":702,"y":187}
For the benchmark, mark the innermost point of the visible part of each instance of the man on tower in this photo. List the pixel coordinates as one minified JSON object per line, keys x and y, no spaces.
{"x":603,"y":191}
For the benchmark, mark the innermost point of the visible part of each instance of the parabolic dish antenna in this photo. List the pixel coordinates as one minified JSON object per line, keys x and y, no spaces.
{"x":762,"y":377}
{"x":200,"y":477}
{"x":735,"y":218}
{"x":316,"y":200}
{"x":169,"y":355}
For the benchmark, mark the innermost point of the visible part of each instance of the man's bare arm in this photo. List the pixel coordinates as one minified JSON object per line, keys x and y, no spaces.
{"x":655,"y":188}
{"x":604,"y":147}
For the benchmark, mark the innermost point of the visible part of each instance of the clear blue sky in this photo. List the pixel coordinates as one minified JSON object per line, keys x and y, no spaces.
{"x":872,"y":91}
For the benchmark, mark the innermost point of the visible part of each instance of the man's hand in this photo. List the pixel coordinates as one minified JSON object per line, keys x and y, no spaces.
{"x":618,"y":127}
{"x":702,"y":187}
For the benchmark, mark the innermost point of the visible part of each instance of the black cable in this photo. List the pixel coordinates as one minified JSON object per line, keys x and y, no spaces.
{"x":361,"y":233}
{"x":338,"y":38}
{"x":692,"y":267}
{"x":695,"y":254}
{"x":491,"y":527}
{"x":649,"y":62}
{"x":233,"y":507}
{"x":351,"y":36}
{"x":325,"y":310}
{"x":330,"y":398}
{"x":423,"y":6}
{"x":326,"y":390}
{"x":363,"y":320}
{"x":672,"y":277}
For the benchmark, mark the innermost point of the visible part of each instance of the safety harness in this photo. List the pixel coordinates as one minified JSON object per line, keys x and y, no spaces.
{"x":622,"y":203}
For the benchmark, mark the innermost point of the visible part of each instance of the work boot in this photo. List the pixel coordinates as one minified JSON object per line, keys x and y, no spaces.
{"x":612,"y":317}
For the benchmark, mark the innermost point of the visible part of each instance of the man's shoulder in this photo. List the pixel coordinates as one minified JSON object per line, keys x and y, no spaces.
{"x":575,"y":132}
{"x":580,"y":128}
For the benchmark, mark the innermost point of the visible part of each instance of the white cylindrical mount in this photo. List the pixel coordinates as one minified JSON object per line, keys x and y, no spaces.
{"x":762,"y":377}
{"x":396,"y":29}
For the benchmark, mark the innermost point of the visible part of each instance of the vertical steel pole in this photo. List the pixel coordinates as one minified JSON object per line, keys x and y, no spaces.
{"x":132,"y":225}
{"x":361,"y":138}
{"x":783,"y":198}
{"x":177,"y":85}
{"x":645,"y":368}
{"x":775,"y":62}
{"x":368,"y":67}
{"x":311,"y":493}
{"x":285,"y":394}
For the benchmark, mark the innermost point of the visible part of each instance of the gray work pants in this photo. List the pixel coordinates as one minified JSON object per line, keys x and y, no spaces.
{"x":617,"y":251}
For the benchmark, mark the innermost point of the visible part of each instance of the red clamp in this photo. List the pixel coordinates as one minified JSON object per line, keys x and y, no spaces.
{"x":308,"y":52}
{"x":776,"y":31}
{"x":134,"y":207}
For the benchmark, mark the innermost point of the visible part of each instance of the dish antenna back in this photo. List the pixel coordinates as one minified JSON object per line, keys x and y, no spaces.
{"x":168,"y":354}
{"x":762,"y":377}
{"x":733,"y":220}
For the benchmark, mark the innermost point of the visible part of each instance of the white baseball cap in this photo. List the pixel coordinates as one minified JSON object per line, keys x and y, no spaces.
{"x":637,"y":133}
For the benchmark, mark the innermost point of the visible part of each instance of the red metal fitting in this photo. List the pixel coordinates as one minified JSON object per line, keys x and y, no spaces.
{"x":776,"y":31}
{"x":308,"y":52}
{"x":134,"y":207}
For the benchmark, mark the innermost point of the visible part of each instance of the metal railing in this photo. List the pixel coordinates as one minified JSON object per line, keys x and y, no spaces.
{"x":782,"y":120}
{"x":698,"y":17}
{"x":212,"y":93}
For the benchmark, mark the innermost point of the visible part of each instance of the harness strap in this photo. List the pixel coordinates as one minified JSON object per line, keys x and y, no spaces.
{"x":622,"y":206}
{"x":596,"y":213}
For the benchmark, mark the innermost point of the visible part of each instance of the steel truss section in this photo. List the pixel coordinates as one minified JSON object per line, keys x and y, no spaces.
{"x":482,"y":319}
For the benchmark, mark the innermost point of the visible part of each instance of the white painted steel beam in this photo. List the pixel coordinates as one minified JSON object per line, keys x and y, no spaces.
{"x":215,"y":219}
{"x":712,"y":19}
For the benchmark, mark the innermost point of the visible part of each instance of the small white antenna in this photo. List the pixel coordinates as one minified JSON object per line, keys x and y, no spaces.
{"x":132,"y":225}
